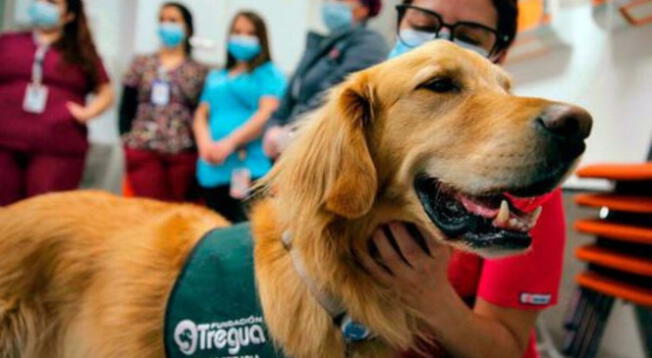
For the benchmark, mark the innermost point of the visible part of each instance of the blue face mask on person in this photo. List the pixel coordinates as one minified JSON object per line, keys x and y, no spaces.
{"x":244,"y":48}
{"x":172,"y":34}
{"x":418,"y":38}
{"x":337,"y":15}
{"x":44,"y":14}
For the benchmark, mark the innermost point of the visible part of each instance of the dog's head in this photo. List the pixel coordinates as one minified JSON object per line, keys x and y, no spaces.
{"x":434,"y":137}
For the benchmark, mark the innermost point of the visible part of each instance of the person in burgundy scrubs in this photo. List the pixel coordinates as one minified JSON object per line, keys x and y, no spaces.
{"x":473,"y":307}
{"x":45,"y":77}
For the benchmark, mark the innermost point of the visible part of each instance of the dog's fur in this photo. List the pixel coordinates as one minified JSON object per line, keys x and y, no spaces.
{"x":88,"y":274}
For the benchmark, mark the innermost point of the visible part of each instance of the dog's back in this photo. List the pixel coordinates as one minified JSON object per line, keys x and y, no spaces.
{"x":70,"y":261}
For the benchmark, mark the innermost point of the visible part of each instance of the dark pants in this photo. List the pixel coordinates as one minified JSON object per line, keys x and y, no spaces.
{"x":168,"y":177}
{"x":220,"y":200}
{"x":23,"y":175}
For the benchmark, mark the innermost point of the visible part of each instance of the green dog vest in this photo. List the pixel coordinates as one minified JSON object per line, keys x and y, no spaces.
{"x":214,"y":310}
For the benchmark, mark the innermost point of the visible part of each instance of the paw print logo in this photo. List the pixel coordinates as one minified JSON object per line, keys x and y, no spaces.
{"x":185,"y":336}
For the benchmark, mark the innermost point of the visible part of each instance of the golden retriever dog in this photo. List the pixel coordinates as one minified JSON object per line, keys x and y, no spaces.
{"x":433,"y":138}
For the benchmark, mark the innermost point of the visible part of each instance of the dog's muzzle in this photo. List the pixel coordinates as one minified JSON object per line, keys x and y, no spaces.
{"x":481,"y":222}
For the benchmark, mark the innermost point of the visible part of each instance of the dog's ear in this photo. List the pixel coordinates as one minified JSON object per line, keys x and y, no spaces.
{"x":352,"y":190}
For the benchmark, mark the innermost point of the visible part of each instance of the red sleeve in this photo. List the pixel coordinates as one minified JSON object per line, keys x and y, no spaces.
{"x":102,"y":75}
{"x":531,"y":280}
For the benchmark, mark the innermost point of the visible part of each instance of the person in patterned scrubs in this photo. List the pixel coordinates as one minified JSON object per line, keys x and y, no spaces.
{"x":160,"y":94}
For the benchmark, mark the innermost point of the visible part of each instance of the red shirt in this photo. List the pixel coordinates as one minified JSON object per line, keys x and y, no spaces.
{"x":55,"y":130}
{"x":529,"y":281}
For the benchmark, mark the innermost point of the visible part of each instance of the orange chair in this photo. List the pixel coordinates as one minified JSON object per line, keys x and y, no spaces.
{"x":619,"y":263}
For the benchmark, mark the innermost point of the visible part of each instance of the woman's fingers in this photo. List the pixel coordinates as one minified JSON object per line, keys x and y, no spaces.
{"x":399,"y":256}
{"x":373,"y":268}
{"x":77,"y":111}
{"x":407,"y":244}
{"x":434,"y":247}
{"x":388,"y":255}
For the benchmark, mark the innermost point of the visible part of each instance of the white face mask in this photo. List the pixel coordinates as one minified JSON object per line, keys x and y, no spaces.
{"x":410,"y":39}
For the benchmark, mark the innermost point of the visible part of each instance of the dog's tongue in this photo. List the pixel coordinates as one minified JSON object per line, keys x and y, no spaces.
{"x":527,"y":205}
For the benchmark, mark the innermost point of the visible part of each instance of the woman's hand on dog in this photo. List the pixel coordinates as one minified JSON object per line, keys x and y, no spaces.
{"x":410,"y":262}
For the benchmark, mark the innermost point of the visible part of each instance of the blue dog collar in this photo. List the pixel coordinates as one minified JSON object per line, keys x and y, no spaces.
{"x":353,"y":331}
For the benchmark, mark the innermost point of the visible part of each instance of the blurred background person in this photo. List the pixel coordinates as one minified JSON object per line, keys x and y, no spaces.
{"x":45,"y":76}
{"x":489,"y":34}
{"x":235,"y":105}
{"x":160,"y":94}
{"x":349,"y":47}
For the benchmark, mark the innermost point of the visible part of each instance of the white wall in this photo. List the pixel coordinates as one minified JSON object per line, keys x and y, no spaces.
{"x":112,"y":23}
{"x":3,"y":8}
{"x":609,"y":73}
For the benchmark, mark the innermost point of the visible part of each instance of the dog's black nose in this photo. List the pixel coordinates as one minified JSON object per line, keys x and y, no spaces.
{"x":566,"y":122}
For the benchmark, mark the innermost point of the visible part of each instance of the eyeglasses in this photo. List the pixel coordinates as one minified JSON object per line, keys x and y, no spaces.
{"x":430,"y":24}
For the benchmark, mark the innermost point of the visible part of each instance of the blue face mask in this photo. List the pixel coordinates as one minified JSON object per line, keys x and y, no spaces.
{"x":44,"y":14}
{"x":172,"y":34}
{"x":244,"y":48}
{"x":337,"y":15}
{"x":418,"y":38}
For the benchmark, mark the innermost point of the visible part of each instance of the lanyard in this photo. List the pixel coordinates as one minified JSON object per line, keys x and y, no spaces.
{"x":37,"y":67}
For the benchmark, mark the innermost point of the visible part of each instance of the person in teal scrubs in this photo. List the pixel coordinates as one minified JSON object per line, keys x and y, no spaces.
{"x":235,"y":105}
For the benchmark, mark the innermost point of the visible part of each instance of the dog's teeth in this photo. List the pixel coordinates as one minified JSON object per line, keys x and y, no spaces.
{"x":503,"y":214}
{"x":535,"y":216}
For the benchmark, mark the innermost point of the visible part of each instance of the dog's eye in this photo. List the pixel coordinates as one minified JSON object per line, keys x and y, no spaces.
{"x":441,"y":85}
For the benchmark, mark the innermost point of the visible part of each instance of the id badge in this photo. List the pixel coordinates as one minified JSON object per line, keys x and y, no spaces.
{"x":240,"y":183}
{"x":160,"y":93}
{"x":36,"y":97}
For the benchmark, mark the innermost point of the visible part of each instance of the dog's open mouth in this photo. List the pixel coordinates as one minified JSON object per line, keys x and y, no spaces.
{"x":483,"y":222}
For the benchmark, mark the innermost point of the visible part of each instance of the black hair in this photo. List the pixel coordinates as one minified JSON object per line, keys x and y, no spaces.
{"x":77,"y":44}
